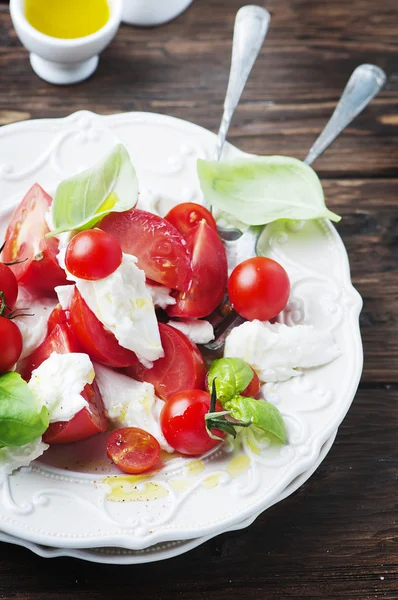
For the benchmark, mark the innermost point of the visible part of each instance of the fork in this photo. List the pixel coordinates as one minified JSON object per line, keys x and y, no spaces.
{"x":364,"y":84}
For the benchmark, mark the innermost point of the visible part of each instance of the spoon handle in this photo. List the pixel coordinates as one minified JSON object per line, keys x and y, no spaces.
{"x":251,"y":26}
{"x":364,"y":84}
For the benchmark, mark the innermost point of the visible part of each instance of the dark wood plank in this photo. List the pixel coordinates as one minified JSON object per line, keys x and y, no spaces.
{"x":182,"y":68}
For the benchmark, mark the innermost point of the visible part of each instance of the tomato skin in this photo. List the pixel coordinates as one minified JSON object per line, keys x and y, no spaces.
{"x":26,"y":241}
{"x":254,"y":386}
{"x":93,"y":255}
{"x":100,"y":344}
{"x":182,"y":421}
{"x":132,"y":449}
{"x":161,"y":250}
{"x":58,"y":316}
{"x":187,"y":215}
{"x":182,"y":366}
{"x":8,"y":285}
{"x":11,"y":344}
{"x":209,"y":274}
{"x":259,"y":288}
{"x":84,"y":424}
{"x":61,"y":340}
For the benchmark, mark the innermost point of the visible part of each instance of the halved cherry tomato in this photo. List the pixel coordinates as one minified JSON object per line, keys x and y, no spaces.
{"x":187,"y":215}
{"x":132,"y":449}
{"x":209,"y":274}
{"x":60,"y":340}
{"x":58,"y":316}
{"x":84,"y":424}
{"x":182,"y":421}
{"x":10,"y":344}
{"x":181,"y":368}
{"x":93,"y":254}
{"x":160,"y":249}
{"x":26,"y":242}
{"x":254,"y":386}
{"x":259,"y":288}
{"x":8,"y":286}
{"x":99,"y":343}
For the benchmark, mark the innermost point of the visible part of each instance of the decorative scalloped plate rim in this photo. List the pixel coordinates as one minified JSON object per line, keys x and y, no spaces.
{"x":87,"y":128}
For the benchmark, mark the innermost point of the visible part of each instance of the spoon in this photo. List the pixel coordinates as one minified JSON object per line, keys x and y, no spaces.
{"x":364,"y":84}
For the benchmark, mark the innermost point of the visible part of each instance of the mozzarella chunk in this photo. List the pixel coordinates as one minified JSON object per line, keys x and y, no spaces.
{"x":64,"y":293}
{"x":276,"y":351}
{"x":197,"y":330}
{"x":13,"y":457}
{"x":160,"y":295}
{"x":58,"y":382}
{"x":33,"y":328}
{"x":131,"y":403}
{"x":124,"y":306}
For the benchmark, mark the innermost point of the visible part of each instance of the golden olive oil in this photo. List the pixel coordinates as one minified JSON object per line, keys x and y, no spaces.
{"x":67,"y":19}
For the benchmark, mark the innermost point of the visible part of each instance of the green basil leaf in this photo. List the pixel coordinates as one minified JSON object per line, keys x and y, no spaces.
{"x":261,"y":413}
{"x":83,"y":200}
{"x":21,"y":422}
{"x":262,"y":189}
{"x":231,"y":377}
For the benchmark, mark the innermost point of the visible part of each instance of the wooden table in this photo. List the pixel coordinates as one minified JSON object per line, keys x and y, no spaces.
{"x":336,"y":537}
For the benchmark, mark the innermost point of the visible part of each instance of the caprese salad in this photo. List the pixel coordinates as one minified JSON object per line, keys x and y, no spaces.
{"x":103,"y":310}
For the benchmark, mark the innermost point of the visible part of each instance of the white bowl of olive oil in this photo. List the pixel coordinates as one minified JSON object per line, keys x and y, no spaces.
{"x":147,"y":13}
{"x":65,"y":38}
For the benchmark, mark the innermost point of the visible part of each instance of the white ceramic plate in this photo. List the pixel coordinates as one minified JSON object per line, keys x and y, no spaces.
{"x":71,"y":508}
{"x":165,"y":550}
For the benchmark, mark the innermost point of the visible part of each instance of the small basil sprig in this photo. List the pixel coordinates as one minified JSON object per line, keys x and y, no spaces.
{"x":232,"y":376}
{"x":81,"y":201}
{"x":21,"y":421}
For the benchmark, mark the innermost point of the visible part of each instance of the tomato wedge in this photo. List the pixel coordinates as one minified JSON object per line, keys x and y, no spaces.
{"x":187,"y":215}
{"x":160,"y":249}
{"x":26,"y":241}
{"x":99,"y":343}
{"x":209,"y":274}
{"x":132,"y":449}
{"x":84,"y":424}
{"x":181,"y":368}
{"x":58,"y":316}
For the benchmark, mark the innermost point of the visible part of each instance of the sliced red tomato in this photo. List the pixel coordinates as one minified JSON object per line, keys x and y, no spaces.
{"x":11,"y":344}
{"x":181,"y":368}
{"x":84,"y":424}
{"x":8,"y":287}
{"x":182,"y":421}
{"x":209,"y":274}
{"x":99,"y":343}
{"x":187,"y":215}
{"x":60,"y":340}
{"x":160,"y":249}
{"x":58,"y":316}
{"x":132,"y":449}
{"x":26,"y":242}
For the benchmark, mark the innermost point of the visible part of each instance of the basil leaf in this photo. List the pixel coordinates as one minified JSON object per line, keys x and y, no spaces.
{"x":261,"y":413}
{"x":83,"y":200}
{"x":262,"y":189}
{"x":231,"y":377}
{"x":20,"y":420}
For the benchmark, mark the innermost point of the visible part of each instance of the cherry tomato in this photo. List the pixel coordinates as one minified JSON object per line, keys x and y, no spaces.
{"x":182,"y":421}
{"x":99,"y":343}
{"x":8,"y":285}
{"x":160,"y":249}
{"x":181,"y":368}
{"x":254,"y":386}
{"x":187,"y":215}
{"x":26,"y":242}
{"x":209,"y":276}
{"x":93,"y":254}
{"x":11,"y":344}
{"x":86,"y":423}
{"x":132,"y":449}
{"x":58,"y":316}
{"x":259,"y":288}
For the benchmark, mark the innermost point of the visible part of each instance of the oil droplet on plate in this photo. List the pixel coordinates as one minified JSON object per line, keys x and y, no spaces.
{"x":212,"y":481}
{"x":134,"y":488}
{"x":238,"y":465}
{"x":194,"y":468}
{"x":180,"y":485}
